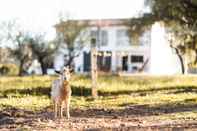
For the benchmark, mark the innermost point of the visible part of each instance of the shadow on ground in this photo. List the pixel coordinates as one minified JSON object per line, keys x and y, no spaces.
{"x":84,"y":91}
{"x":129,"y":117}
{"x":39,"y":91}
{"x":91,"y":119}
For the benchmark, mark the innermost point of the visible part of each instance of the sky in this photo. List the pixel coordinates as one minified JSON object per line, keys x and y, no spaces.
{"x":41,"y":15}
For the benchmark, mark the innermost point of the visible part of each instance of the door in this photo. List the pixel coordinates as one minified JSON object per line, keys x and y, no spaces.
{"x":104,"y":62}
{"x":125,"y":63}
{"x":86,"y":62}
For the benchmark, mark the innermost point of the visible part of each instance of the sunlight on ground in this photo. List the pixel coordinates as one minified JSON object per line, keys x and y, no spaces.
{"x":152,"y":94}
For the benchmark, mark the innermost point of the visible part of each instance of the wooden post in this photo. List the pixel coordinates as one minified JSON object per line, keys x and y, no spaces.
{"x":94,"y":72}
{"x":94,"y":68}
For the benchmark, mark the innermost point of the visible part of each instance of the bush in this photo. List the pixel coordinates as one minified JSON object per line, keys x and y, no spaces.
{"x":9,"y":69}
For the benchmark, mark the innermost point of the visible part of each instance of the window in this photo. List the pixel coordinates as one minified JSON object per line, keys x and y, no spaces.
{"x":134,"y":68}
{"x":104,"y":61}
{"x":145,"y":38}
{"x":122,"y":37}
{"x":104,"y":38}
{"x":93,"y":34}
{"x":137,"y":59}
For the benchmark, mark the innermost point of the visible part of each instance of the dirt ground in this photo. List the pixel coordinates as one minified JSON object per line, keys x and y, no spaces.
{"x":90,"y":120}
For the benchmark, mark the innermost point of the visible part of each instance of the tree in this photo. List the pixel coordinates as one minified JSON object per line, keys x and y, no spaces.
{"x":179,"y":16}
{"x":43,"y":51}
{"x":26,"y":45}
{"x":5,"y":54}
{"x":13,"y":36}
{"x":74,"y":35}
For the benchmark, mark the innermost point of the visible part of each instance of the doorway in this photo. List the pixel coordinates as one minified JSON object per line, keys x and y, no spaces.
{"x":86,"y":62}
{"x":125,"y":63}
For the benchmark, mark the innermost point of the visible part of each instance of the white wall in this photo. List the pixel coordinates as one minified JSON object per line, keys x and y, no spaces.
{"x":163,"y":60}
{"x":114,"y":48}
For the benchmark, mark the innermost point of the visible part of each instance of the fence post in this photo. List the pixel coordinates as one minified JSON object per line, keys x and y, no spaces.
{"x":94,"y":69}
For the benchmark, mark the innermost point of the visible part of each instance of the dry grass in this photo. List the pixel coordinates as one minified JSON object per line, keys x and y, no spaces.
{"x":161,"y":97}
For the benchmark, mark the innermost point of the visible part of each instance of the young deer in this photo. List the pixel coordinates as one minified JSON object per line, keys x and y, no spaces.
{"x":61,"y":93}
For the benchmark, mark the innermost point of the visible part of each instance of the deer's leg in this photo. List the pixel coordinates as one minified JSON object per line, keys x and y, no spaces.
{"x":61,"y":110}
{"x":55,"y":109}
{"x":67,"y":107}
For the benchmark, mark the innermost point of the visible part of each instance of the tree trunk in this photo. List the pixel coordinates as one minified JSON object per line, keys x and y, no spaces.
{"x":182,"y":63}
{"x":21,"y":68}
{"x":43,"y":66}
{"x":181,"y":60}
{"x":196,"y":57}
{"x":70,"y":61}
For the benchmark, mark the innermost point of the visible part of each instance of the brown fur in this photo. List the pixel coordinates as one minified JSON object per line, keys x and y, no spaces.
{"x":65,"y":91}
{"x":63,"y":100}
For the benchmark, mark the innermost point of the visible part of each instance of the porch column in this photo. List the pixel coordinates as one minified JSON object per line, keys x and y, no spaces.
{"x":118,"y":61}
{"x":113,"y":61}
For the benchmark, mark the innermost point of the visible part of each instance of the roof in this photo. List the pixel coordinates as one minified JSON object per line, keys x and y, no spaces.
{"x":98,"y":22}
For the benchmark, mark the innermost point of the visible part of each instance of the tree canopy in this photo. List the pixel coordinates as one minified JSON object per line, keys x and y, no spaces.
{"x":74,"y":35}
{"x":27,"y":46}
{"x":180,"y":19}
{"x":43,"y":50}
{"x":13,"y":36}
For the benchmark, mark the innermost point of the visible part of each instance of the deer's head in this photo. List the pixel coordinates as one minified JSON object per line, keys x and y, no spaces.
{"x":65,"y":73}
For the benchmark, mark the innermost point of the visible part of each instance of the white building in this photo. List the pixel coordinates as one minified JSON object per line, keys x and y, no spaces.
{"x":116,"y":51}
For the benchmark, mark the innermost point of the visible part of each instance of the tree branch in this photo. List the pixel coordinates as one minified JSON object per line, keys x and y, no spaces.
{"x":190,"y":4}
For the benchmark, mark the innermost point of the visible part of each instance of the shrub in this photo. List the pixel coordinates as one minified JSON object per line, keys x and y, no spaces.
{"x":9,"y":69}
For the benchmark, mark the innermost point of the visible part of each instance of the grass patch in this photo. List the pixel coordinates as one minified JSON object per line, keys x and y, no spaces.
{"x":163,"y":97}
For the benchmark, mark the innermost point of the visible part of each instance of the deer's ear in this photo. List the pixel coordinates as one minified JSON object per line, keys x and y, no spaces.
{"x":58,"y":72}
{"x":71,"y":70}
{"x":65,"y":68}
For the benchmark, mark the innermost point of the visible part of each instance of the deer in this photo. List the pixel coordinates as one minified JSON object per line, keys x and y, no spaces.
{"x":61,"y":93}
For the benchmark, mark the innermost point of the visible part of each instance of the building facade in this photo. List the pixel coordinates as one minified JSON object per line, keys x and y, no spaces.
{"x":116,"y":51}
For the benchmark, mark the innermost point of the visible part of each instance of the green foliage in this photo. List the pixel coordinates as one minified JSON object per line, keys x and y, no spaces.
{"x":9,"y":69}
{"x":181,"y":12}
{"x":16,"y":38}
{"x":70,"y":30}
{"x":180,"y":18}
{"x":27,"y":46}
{"x":74,"y":35}
{"x":43,"y":50}
{"x":137,"y":26}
